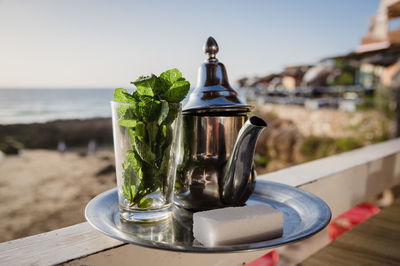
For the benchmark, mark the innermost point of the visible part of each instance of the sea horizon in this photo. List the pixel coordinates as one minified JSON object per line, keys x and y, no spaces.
{"x":26,"y":106}
{"x":60,"y":88}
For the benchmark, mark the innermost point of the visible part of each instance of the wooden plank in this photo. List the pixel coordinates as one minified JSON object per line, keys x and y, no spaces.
{"x":374,"y":242}
{"x":342,"y":181}
{"x":55,"y":247}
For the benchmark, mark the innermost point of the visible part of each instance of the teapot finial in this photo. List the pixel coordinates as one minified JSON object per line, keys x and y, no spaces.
{"x":213,"y":93}
{"x":211,"y":49}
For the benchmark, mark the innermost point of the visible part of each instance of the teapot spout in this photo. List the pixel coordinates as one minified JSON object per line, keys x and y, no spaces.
{"x":239,"y":179}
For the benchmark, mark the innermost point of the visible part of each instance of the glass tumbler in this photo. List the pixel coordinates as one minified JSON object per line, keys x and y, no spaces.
{"x":146,"y":155}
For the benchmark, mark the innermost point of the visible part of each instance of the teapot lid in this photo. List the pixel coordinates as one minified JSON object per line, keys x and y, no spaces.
{"x":213,"y":92}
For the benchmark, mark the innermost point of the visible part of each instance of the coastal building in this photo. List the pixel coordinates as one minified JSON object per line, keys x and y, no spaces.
{"x":344,"y":80}
{"x":380,"y":34}
{"x":292,"y":76}
{"x":379,"y":49}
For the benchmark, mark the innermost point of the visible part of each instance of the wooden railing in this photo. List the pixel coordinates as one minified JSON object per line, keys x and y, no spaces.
{"x":342,"y":181}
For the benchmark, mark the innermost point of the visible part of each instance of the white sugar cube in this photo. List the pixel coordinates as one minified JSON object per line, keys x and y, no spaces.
{"x":236,"y":225}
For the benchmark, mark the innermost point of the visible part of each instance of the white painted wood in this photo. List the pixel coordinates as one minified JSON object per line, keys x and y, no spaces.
{"x":55,"y":247}
{"x":346,"y":179}
{"x":129,"y":255}
{"x":342,"y":181}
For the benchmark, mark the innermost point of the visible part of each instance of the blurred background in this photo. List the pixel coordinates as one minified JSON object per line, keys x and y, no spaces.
{"x":325,"y":75}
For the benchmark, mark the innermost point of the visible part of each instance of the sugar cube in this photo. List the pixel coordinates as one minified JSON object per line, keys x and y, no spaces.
{"x":236,"y":225}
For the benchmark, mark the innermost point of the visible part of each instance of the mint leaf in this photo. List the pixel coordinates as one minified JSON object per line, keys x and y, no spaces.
{"x":127,"y":192}
{"x":120,"y":95}
{"x":134,"y":160}
{"x":144,"y":151}
{"x":127,"y":111}
{"x":135,"y":111}
{"x":122,"y":109}
{"x":171,"y":76}
{"x":152,"y":130}
{"x":145,"y":85}
{"x":145,"y":203}
{"x":172,"y":113}
{"x":131,"y":181}
{"x":177,"y":92}
{"x":161,"y":86}
{"x":163,"y":112}
{"x":149,"y":109}
{"x":131,"y":133}
{"x":165,"y":160}
{"x":127,"y":122}
{"x":151,"y":182}
{"x":140,"y":130}
{"x":141,"y":77}
{"x":135,"y":96}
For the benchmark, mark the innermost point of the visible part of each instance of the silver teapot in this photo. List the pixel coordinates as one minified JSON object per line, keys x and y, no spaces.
{"x":217,"y":142}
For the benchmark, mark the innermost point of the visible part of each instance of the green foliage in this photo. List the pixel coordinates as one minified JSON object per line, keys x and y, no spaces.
{"x":318,"y":147}
{"x":127,"y":122}
{"x":121,"y":95}
{"x":367,"y":103}
{"x":144,"y":85}
{"x":148,"y":116}
{"x":382,"y":100}
{"x":347,"y":144}
{"x":164,"y":112}
{"x":345,"y":78}
{"x":171,"y":76}
{"x":346,"y":71}
{"x":385,"y":135}
{"x":9,"y":145}
{"x":261,"y":160}
{"x":385,"y":100}
{"x":177,"y":92}
{"x":340,"y":63}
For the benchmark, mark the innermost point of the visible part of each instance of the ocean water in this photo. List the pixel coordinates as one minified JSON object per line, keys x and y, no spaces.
{"x":24,"y":106}
{"x":42,"y":105}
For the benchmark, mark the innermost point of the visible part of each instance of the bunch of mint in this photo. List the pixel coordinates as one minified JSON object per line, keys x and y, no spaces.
{"x":148,"y":115}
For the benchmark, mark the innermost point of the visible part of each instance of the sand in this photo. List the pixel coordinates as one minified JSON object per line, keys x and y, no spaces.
{"x":44,"y":190}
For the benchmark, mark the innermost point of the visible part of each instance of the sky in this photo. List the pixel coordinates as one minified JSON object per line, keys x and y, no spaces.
{"x":107,"y":44}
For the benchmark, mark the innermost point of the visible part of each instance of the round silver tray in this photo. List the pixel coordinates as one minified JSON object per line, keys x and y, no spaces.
{"x":304,"y":215}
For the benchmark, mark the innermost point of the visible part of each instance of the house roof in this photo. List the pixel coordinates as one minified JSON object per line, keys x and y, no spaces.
{"x":393,"y":10}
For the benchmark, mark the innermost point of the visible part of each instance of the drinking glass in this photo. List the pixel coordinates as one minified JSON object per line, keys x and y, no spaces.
{"x":146,"y":155}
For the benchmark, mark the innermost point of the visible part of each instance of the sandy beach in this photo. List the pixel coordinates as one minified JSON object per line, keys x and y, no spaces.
{"x":44,"y":190}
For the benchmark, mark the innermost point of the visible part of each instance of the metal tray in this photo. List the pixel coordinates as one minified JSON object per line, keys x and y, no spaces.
{"x":304,"y":215}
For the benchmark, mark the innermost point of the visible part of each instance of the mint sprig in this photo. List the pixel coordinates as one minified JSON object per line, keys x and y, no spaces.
{"x":148,"y":115}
